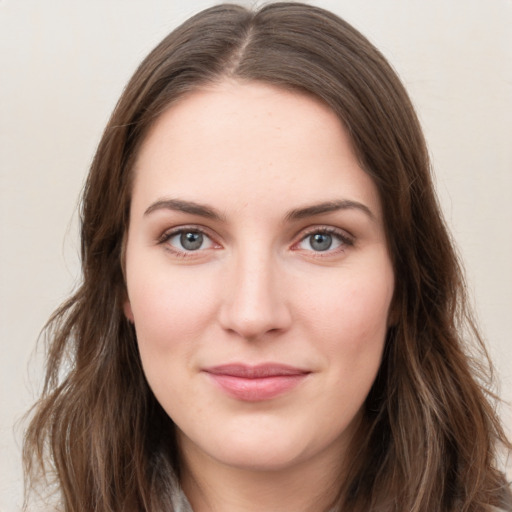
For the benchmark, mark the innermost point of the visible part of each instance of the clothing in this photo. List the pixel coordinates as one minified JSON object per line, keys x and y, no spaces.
{"x":181,"y":504}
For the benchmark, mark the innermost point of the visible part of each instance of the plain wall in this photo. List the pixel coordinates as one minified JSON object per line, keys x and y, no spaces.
{"x":62,"y":67}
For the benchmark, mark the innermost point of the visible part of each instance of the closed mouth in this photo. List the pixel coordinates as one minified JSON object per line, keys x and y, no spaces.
{"x":256,"y":383}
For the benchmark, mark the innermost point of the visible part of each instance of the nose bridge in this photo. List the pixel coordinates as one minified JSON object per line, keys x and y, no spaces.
{"x":253,"y":303}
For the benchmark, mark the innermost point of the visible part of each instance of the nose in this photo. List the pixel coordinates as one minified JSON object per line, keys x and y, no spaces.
{"x":254,"y":299}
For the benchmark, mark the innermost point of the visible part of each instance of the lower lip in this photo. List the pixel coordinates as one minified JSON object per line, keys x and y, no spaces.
{"x":257,"y":389}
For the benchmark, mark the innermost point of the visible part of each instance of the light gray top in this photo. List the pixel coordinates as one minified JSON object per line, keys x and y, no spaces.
{"x":181,"y":504}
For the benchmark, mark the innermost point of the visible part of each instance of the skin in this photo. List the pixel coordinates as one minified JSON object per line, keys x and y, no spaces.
{"x":257,"y":290}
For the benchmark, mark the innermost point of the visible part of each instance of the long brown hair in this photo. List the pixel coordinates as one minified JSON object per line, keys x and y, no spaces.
{"x":431,"y":431}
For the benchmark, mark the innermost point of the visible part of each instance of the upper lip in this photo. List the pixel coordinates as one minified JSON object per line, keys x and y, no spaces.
{"x":259,"y":371}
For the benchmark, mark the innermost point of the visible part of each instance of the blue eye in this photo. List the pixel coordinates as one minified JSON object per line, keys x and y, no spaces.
{"x":188,"y":240}
{"x":323,"y":241}
{"x":320,"y":241}
{"x":191,"y":241}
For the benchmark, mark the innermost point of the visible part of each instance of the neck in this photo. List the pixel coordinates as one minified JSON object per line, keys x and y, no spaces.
{"x":308,"y":487}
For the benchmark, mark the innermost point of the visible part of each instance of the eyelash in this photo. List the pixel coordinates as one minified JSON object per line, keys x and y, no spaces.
{"x":168,"y":235}
{"x":344,"y":239}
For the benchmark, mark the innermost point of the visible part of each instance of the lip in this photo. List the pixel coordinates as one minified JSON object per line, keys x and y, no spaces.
{"x":256,"y":383}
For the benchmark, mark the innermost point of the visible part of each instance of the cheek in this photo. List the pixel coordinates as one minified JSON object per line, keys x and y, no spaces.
{"x":354,"y":309}
{"x":363,"y":311}
{"x":171,"y":313}
{"x":169,"y":307}
{"x":349,"y":325}
{"x":355,"y":327}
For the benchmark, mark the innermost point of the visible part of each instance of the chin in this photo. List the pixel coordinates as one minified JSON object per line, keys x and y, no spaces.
{"x":261,"y":457}
{"x":264,"y":447}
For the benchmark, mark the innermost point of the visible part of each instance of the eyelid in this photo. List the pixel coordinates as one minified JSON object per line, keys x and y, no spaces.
{"x":176,"y":230}
{"x":346,"y":238}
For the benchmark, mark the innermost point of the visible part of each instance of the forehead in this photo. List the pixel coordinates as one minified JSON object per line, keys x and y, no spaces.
{"x":255,"y":141}
{"x":260,"y":112}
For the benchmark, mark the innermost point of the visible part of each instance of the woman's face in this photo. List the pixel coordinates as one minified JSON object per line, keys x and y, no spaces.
{"x":258,"y":276}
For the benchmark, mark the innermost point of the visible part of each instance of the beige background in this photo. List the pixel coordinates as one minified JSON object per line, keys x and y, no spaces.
{"x":64,"y":63}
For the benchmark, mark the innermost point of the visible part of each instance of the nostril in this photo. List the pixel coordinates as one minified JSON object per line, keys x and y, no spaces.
{"x":252,"y":303}
{"x":252,"y":323}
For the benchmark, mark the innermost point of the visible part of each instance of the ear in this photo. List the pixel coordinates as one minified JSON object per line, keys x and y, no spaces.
{"x":128,"y":313}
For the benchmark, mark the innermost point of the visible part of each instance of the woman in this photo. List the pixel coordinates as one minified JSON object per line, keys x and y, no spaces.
{"x":271,"y":313}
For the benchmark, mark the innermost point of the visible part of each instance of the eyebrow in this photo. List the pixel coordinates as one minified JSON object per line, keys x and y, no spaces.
{"x":202,"y":210}
{"x":328,"y":207}
{"x":184,"y":206}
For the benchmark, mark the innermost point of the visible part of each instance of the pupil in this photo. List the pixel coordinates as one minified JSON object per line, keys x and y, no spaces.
{"x":321,"y":241}
{"x":191,"y":241}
